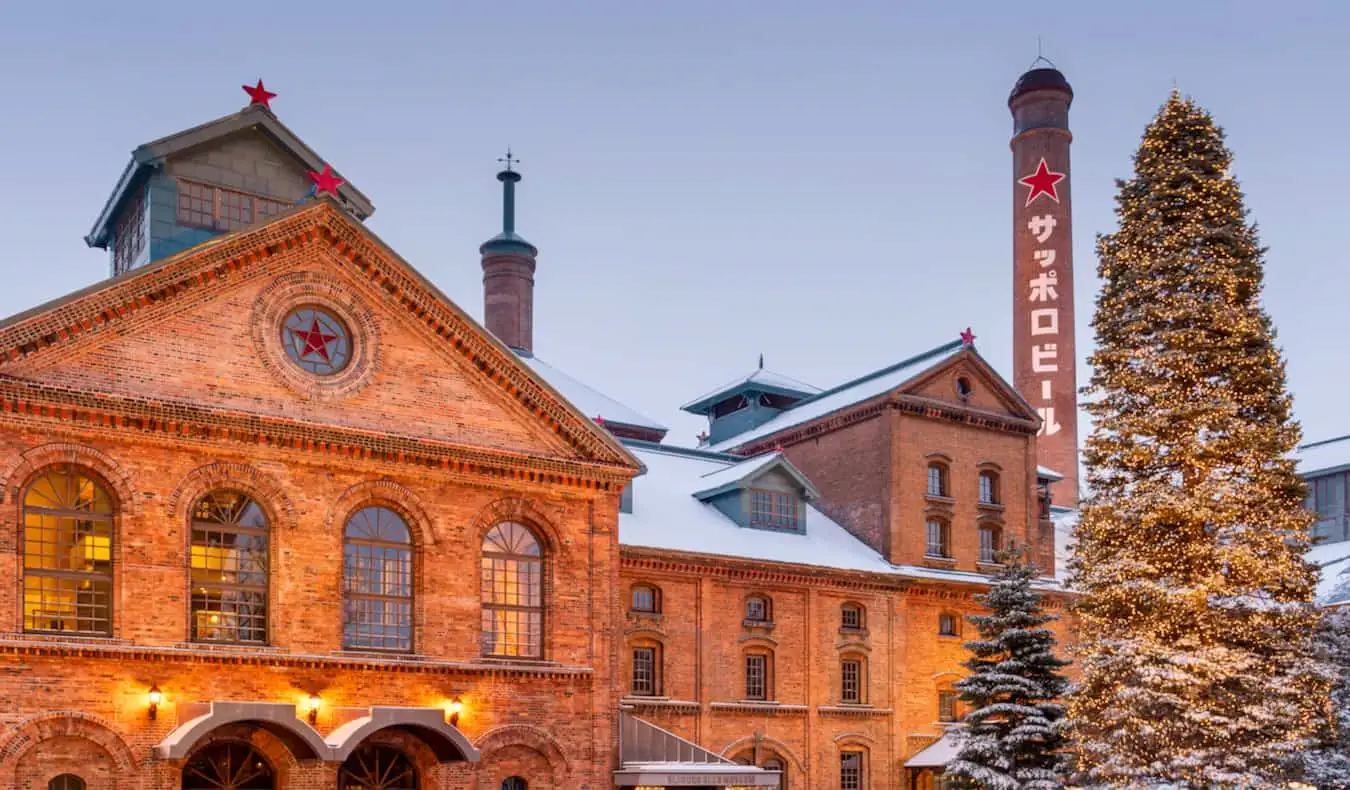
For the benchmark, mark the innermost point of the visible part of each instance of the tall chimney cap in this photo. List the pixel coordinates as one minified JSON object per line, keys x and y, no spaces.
{"x":1042,"y":79}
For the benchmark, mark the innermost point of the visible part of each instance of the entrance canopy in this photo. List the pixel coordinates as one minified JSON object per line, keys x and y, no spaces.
{"x":653,"y":757}
{"x":937,"y":754}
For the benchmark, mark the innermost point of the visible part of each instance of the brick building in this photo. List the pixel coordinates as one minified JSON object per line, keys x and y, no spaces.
{"x":275,"y":512}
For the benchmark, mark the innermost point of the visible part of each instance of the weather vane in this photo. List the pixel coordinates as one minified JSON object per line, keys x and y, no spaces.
{"x":508,"y":159}
{"x":1040,"y":57}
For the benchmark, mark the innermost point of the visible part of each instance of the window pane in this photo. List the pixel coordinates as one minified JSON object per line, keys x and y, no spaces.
{"x":987,"y":494}
{"x":937,"y":480}
{"x":773,"y":509}
{"x":512,"y":589}
{"x":850,"y":771}
{"x":988,"y":544}
{"x":756,"y":609}
{"x":67,"y":553}
{"x":937,"y":539}
{"x":644,"y":599}
{"x":851,"y":617}
{"x":947,"y":706}
{"x":851,"y":672}
{"x":228,"y":569}
{"x":377,"y":581}
{"x":196,"y":205}
{"x":644,"y":671}
{"x":947,"y":625}
{"x":756,"y":677}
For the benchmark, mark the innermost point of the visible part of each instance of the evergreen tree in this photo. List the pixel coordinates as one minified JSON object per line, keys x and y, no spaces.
{"x":1013,"y":732}
{"x":1327,"y":766}
{"x":1195,"y":610}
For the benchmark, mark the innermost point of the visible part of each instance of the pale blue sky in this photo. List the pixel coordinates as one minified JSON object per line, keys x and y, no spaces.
{"x":828,"y":183}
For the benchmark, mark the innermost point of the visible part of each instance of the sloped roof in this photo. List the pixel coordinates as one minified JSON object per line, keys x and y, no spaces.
{"x":255,"y":116}
{"x":1328,"y":455}
{"x":592,"y":402}
{"x":733,"y":476}
{"x":847,"y":394}
{"x":938,"y":753}
{"x":767,"y":379}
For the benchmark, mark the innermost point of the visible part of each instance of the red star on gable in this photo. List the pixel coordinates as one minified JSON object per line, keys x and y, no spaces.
{"x":327,"y":181}
{"x":315,"y":341}
{"x":968,"y":338}
{"x":257,"y":94}
{"x":1042,"y":182}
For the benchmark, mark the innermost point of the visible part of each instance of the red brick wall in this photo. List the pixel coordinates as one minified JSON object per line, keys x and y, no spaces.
{"x":852,"y":468}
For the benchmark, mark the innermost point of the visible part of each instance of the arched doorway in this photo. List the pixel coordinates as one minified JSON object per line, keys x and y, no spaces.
{"x":375,"y":767}
{"x":228,"y":765}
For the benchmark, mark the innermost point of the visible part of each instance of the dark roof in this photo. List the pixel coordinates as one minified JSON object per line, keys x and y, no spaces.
{"x":255,"y":116}
{"x":1040,"y":80}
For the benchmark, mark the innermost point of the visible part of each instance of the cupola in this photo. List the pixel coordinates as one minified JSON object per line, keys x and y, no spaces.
{"x":747,"y":402}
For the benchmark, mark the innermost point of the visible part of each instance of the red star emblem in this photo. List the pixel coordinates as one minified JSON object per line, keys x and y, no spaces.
{"x":257,"y":94}
{"x":968,"y":338}
{"x":314,"y":340}
{"x":1042,"y":182}
{"x":599,"y":420}
{"x":327,"y":181}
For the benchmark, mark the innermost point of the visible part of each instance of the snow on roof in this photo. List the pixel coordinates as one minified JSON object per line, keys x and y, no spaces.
{"x":666,"y":515}
{"x":588,"y":401}
{"x":938,"y":753}
{"x":761,"y":376}
{"x":1333,"y":561}
{"x":847,"y":394}
{"x":1324,"y":456}
{"x":1046,"y":472}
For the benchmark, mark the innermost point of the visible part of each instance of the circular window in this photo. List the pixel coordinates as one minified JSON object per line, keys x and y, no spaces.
{"x":316,"y":340}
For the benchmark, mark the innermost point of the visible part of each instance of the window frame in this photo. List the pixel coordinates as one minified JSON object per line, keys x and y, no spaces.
{"x":653,"y":591}
{"x":515,"y":783}
{"x":488,"y":608}
{"x":944,"y":543}
{"x":989,"y":494}
{"x":860,"y":613}
{"x":99,"y":487}
{"x":67,"y":781}
{"x":988,"y":554}
{"x":857,"y":781}
{"x":766,"y":607}
{"x":409,"y":548}
{"x":264,"y":590}
{"x":220,"y":223}
{"x":765,"y":660}
{"x":859,"y":680}
{"x":774,"y":509}
{"x":941,"y":486}
{"x":654,"y":669}
{"x":948,"y":617}
{"x":948,"y":706}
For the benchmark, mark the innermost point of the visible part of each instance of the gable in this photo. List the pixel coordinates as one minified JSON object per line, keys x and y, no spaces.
{"x":247,"y":160}
{"x":967,"y":380}
{"x":204,"y":329}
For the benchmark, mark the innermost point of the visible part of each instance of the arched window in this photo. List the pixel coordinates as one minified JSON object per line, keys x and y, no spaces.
{"x":515,"y":783}
{"x":990,"y":540}
{"x":989,"y":488}
{"x":758,"y":609}
{"x":937,"y":480}
{"x":67,"y":553}
{"x":646,"y":599}
{"x":948,"y":625}
{"x":228,"y":764}
{"x":66,"y":782}
{"x":939,"y":541}
{"x":377,"y":581}
{"x":229,"y":569}
{"x":374,"y":767}
{"x":852,"y":617}
{"x":513,"y":592}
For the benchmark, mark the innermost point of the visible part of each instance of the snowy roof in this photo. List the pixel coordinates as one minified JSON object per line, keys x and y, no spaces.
{"x":762,"y":377}
{"x":938,"y":753}
{"x":1050,"y":474}
{"x":588,"y":401}
{"x":667,"y":515}
{"x":1333,"y":561}
{"x":1329,"y":455}
{"x":723,"y":479}
{"x":847,"y":394}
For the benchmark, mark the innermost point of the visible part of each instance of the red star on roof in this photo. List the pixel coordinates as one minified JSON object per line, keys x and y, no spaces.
{"x":1042,"y":182}
{"x":315,"y":341}
{"x":257,"y":94}
{"x":327,"y":181}
{"x":968,"y":338}
{"x":599,"y":420}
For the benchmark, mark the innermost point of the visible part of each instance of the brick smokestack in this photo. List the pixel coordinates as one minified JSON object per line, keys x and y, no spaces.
{"x":508,"y":273}
{"x":1043,"y":317}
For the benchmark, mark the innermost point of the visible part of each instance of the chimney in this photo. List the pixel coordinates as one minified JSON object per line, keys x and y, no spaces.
{"x":1043,"y":319}
{"x":508,"y":273}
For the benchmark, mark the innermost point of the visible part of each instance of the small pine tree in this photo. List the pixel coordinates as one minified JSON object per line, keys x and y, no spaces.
{"x":1013,"y":733}
{"x":1327,"y":765}
{"x":1196,"y":612}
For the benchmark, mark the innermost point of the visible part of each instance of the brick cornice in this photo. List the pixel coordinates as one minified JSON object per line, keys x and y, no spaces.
{"x":29,"y":403}
{"x":238,"y":257}
{"x":119,"y":650}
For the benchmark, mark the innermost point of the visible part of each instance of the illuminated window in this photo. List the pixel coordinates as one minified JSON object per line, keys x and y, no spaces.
{"x":377,"y":581}
{"x":513,"y":592}
{"x":646,"y":599}
{"x":758,"y":609}
{"x":938,"y":544}
{"x":67,"y":553}
{"x":66,"y":782}
{"x":773,"y":509}
{"x":851,"y":617}
{"x":937,"y":480}
{"x":229,"y":569}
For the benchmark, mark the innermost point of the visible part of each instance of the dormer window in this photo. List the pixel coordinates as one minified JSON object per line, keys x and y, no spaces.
{"x":937,"y":480}
{"x":773,"y":509}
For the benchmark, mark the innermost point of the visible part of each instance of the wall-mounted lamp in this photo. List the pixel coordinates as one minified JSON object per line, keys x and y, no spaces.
{"x":313,"y":703}
{"x":456,"y":708}
{"x":154,"y":697}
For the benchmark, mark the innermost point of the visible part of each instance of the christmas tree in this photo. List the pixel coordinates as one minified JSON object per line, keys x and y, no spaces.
{"x":1013,"y":732}
{"x":1195,"y":611}
{"x":1327,"y":766}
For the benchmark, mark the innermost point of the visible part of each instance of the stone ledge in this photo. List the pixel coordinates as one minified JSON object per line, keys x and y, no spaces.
{"x":660,"y":703}
{"x":853,"y":710}
{"x":750,"y":706}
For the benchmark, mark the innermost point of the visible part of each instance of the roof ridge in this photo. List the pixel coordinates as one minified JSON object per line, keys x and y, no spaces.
{"x":933,"y":352}
{"x":1321,"y":442}
{"x":686,"y":452}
